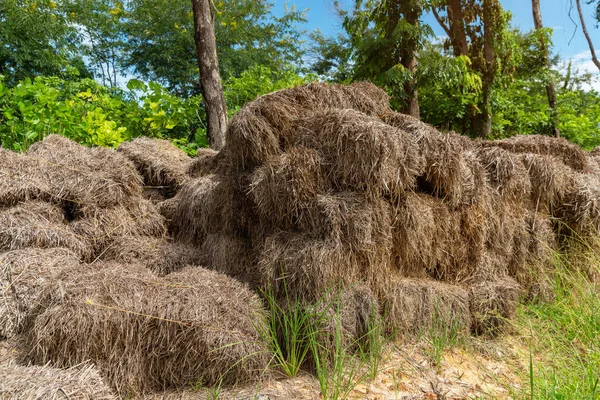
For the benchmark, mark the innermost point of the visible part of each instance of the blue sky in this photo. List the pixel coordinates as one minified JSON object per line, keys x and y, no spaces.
{"x":321,"y":16}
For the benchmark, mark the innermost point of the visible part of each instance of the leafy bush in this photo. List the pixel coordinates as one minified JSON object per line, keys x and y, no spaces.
{"x":92,"y":114}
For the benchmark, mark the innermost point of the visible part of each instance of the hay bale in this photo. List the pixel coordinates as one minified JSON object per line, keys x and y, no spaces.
{"x":570,"y":154}
{"x":206,"y":162}
{"x":416,"y":306}
{"x":287,"y":185}
{"x":212,"y":204}
{"x":20,"y":180}
{"x":158,"y":254}
{"x":159,"y":162}
{"x":506,"y":173}
{"x":262,"y":128}
{"x":346,"y":317}
{"x":367,"y":98}
{"x":595,"y":151}
{"x":144,"y":333}
{"x":233,"y":256}
{"x":82,"y":382}
{"x":426,"y":237}
{"x":101,"y":227}
{"x":492,"y":303}
{"x":23,"y":275}
{"x":361,"y":152}
{"x":38,"y":224}
{"x":549,"y":180}
{"x":83,"y":175}
{"x":351,"y":218}
{"x":449,"y":172}
{"x":298,"y":266}
{"x":579,"y":207}
{"x":167,"y":208}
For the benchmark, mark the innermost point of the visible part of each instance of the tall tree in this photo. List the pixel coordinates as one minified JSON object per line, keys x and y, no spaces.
{"x":550,"y":90}
{"x":210,"y":78}
{"x":586,"y":33}
{"x":387,"y":36}
{"x":475,"y":28}
{"x":36,"y":39}
{"x":160,"y":40}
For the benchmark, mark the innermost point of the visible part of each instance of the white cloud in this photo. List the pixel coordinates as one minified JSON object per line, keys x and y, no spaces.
{"x":582,"y":63}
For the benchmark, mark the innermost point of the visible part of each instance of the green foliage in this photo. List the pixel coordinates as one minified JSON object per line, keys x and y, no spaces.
{"x":36,"y":40}
{"x":564,"y":333}
{"x":92,"y":114}
{"x":448,"y":89}
{"x":259,"y":80}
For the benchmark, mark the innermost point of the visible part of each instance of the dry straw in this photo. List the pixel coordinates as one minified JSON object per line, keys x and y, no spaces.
{"x":156,"y":253}
{"x":415,"y":306}
{"x":570,"y":154}
{"x":82,"y":382}
{"x":23,"y":275}
{"x":492,"y":304}
{"x":38,"y":224}
{"x":145,"y":333}
{"x":83,"y":175}
{"x":102,"y":227}
{"x":286,"y":186}
{"x":361,"y":152}
{"x":158,"y":161}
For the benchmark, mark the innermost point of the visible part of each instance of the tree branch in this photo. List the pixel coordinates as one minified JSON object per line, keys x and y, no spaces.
{"x":587,"y":35}
{"x":439,"y":20}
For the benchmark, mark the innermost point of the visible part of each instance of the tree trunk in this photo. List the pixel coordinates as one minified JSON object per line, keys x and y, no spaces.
{"x":411,"y":11}
{"x":550,"y":90}
{"x":587,"y":35}
{"x":210,"y":79}
{"x":483,"y":120}
{"x":458,"y":36}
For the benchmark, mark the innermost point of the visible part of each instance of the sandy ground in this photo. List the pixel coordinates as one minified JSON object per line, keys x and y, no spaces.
{"x":483,"y":370}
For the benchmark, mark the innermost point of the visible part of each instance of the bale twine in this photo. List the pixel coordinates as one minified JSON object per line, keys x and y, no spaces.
{"x":570,"y":154}
{"x":41,"y":225}
{"x":23,"y":275}
{"x":160,"y":163}
{"x":362,"y":153}
{"x":144,"y":333}
{"x":417,"y":306}
{"x":492,"y":304}
{"x":82,"y":382}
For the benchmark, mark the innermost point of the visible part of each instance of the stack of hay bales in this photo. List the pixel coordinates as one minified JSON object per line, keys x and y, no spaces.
{"x":89,"y":273}
{"x":323,"y":186}
{"x":90,"y":201}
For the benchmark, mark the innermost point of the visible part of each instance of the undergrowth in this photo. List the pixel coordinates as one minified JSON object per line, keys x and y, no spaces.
{"x":564,"y":335}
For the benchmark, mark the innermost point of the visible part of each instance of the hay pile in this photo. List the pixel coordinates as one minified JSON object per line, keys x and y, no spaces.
{"x":82,"y":382}
{"x":323,"y":186}
{"x":162,"y":165}
{"x":90,"y":200}
{"x":145,"y":333}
